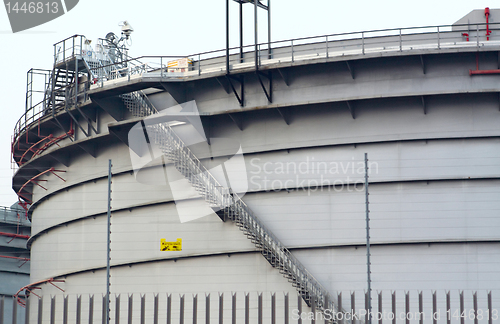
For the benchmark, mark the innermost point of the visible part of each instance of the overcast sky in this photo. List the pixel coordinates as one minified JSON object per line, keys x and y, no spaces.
{"x":165,"y":27}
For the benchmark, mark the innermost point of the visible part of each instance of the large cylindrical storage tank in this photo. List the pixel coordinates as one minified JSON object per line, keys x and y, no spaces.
{"x":302,"y":124}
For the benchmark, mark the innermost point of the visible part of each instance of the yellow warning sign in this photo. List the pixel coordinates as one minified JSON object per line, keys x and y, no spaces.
{"x":171,"y":246}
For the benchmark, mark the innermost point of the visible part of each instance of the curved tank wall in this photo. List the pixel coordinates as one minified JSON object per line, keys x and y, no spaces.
{"x":433,"y":143}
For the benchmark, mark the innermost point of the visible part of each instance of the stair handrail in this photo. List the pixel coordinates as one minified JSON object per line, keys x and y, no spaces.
{"x":303,"y":276}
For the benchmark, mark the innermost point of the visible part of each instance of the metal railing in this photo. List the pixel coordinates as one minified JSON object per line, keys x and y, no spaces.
{"x":16,"y":216}
{"x":293,"y":50}
{"x":222,"y":199}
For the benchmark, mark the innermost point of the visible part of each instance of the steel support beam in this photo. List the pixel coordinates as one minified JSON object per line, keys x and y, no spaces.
{"x":241,"y":79}
{"x":114,"y":106}
{"x":350,"y":106}
{"x":269,"y":76}
{"x":284,"y":76}
{"x":176,"y":90}
{"x":424,"y":105}
{"x":350,"y":68}
{"x":236,"y":118}
{"x":422,"y":62}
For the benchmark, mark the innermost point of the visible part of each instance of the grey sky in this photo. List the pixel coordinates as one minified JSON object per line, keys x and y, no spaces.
{"x":187,"y":27}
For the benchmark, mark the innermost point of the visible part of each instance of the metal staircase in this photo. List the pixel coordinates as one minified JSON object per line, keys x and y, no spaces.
{"x":229,"y":206}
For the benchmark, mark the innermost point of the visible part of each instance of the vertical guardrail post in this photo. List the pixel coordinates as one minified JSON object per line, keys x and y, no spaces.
{"x":155,"y":314}
{"x":363,"y":43}
{"x":421,"y":307}
{"x":233,"y":309}
{"x":130,"y":307}
{"x":474,"y":302}
{"x":14,"y":310}
{"x":339,"y":305}
{"x":207,"y":309}
{"x":259,"y":309}
{"x":143,"y":309}
{"x":292,"y":51}
{"x":326,"y":41}
{"x":299,"y":309}
{"x":400,"y":41}
{"x":53,"y":310}
{"x":286,"y":309}
{"x":27,"y":310}
{"x":439,"y":38}
{"x":490,"y":308}
{"x":40,"y":310}
{"x":477,"y":35}
{"x":181,"y":310}
{"x":79,"y":309}
{"x":434,"y":308}
{"x":380,"y":320}
{"x":393,"y":302}
{"x":199,"y":64}
{"x":169,"y":309}
{"x":407,"y":307}
{"x":195,"y":309}
{"x":462,"y":307}
{"x":221,"y":308}
{"x":91,"y":309}
{"x":117,"y":309}
{"x":448,"y":308}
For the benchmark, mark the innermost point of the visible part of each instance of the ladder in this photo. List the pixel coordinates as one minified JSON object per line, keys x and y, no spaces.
{"x":229,"y":206}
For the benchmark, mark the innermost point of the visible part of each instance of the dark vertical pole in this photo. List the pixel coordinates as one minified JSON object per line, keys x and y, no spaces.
{"x":380,"y":307}
{"x":130,"y":309}
{"x":394,"y":307}
{"x":339,"y":305}
{"x":490,"y":308}
{"x":40,"y":310}
{"x":207,"y":309}
{"x":448,"y":308}
{"x":91,"y":309}
{"x":421,"y":307}
{"x":256,"y":37}
{"x":434,"y":308}
{"x":407,"y":307}
{"x":117,"y":310}
{"x":287,"y":307}
{"x":368,"y":263}
{"x":269,"y":29}
{"x":299,"y":308}
{"x":227,"y":36}
{"x":14,"y":309}
{"x":195,"y":309}
{"x":169,"y":309}
{"x":221,"y":308}
{"x":79,"y":309}
{"x":462,"y":307}
{"x":353,"y":306}
{"x":474,"y":302}
{"x":181,"y":310}
{"x":2,"y":307}
{"x":108,"y":242}
{"x":247,"y":308}
{"x":233,"y":309}
{"x":27,"y":313}
{"x":241,"y":32}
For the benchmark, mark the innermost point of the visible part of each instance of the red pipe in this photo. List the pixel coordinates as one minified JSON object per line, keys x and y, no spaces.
{"x":479,"y":72}
{"x":466,"y":35}
{"x":14,"y":235}
{"x":487,"y":14}
{"x":11,"y":257}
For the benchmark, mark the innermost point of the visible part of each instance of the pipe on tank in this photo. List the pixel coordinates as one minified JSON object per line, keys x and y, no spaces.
{"x":487,"y":14}
{"x":14,"y":235}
